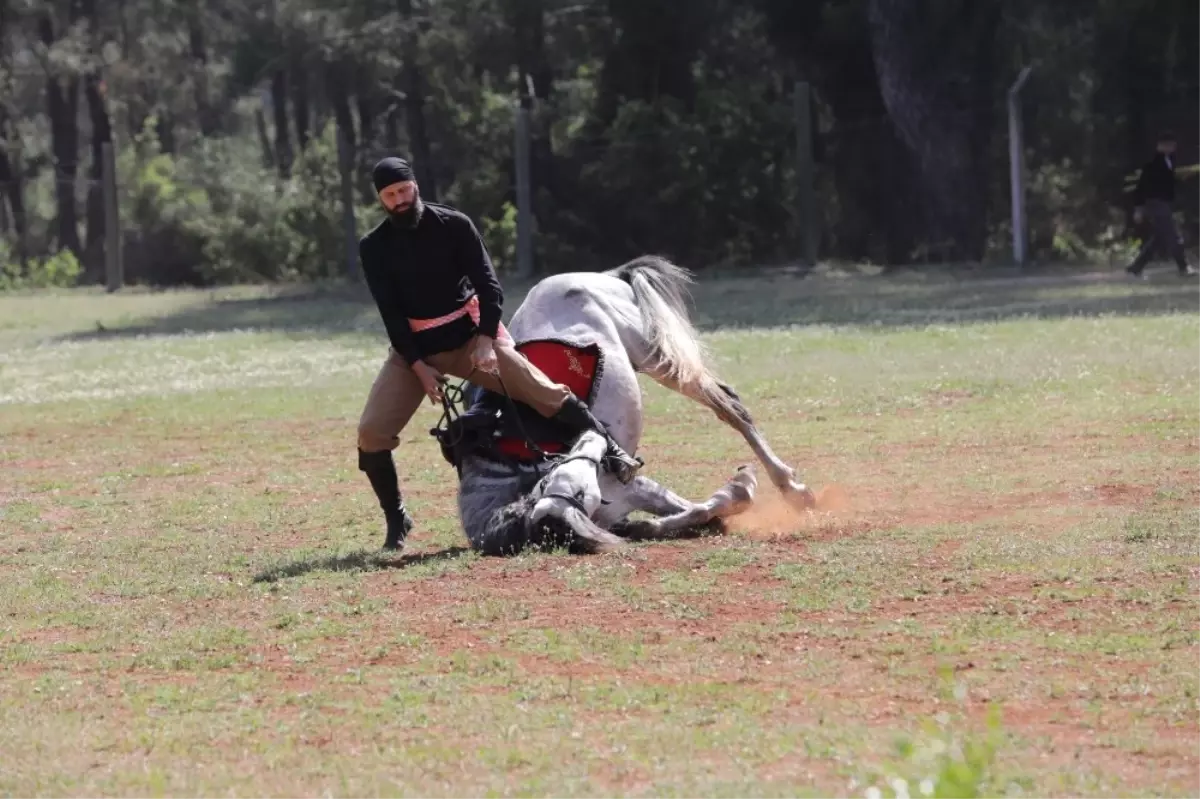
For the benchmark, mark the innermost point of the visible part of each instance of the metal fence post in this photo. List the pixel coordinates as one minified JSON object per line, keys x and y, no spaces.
{"x":1016,"y":166}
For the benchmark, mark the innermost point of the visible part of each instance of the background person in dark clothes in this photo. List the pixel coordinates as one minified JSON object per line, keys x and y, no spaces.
{"x":1153,"y":198}
{"x":437,"y":292}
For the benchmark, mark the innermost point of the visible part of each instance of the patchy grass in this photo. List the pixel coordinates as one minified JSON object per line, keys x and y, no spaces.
{"x":192,"y":599}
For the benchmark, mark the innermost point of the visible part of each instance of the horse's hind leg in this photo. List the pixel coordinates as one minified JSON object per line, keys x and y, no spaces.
{"x":678,"y":516}
{"x":725,"y":403}
{"x":680,"y":368}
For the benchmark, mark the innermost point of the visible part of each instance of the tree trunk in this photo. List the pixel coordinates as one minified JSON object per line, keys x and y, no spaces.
{"x":414,"y":107}
{"x":1139,"y":82}
{"x":335,"y":88}
{"x":943,"y":128}
{"x":136,"y":109}
{"x":391,"y":129}
{"x":300,"y":106}
{"x":264,"y":136}
{"x":10,"y":162}
{"x":279,"y":105}
{"x":199,"y":53}
{"x":101,"y":134}
{"x":651,"y":57}
{"x":10,"y":179}
{"x":62,"y":106}
{"x":364,"y":95}
{"x":164,"y":129}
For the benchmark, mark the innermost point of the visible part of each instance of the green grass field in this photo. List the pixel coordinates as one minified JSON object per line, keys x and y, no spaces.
{"x":192,"y":598}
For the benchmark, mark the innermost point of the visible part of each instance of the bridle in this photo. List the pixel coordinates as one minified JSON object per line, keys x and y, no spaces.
{"x":570,"y":499}
{"x":559,"y":460}
{"x":452,"y":397}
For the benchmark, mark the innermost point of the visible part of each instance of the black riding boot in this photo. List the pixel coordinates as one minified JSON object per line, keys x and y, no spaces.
{"x":381,"y":471}
{"x":577,"y":415}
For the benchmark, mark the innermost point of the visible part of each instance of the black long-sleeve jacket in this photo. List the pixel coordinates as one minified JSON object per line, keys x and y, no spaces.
{"x":1157,"y":181}
{"x":427,"y":272}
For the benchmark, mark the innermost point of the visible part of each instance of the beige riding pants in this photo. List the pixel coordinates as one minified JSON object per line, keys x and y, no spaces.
{"x":397,"y":393}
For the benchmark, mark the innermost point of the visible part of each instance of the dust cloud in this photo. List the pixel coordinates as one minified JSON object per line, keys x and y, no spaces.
{"x":772,"y":516}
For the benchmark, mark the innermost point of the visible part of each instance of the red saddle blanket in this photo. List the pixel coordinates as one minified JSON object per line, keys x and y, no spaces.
{"x":574,"y":367}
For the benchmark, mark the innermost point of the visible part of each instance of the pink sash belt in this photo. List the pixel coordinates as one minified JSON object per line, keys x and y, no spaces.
{"x":470,"y":309}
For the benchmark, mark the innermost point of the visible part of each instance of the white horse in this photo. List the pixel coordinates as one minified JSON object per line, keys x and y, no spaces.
{"x":637,"y":315}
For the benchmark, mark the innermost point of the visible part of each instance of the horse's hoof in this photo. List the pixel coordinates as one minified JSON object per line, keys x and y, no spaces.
{"x":746,"y":480}
{"x":746,"y":472}
{"x":800,"y":496}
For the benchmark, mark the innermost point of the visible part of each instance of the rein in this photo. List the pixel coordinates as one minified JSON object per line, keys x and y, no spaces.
{"x":529,"y":442}
{"x":452,"y":396}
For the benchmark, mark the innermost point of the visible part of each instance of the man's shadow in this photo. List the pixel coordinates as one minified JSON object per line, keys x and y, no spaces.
{"x":361,"y":561}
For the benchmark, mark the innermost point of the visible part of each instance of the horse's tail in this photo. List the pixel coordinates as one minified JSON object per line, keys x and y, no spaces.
{"x":677,"y":356}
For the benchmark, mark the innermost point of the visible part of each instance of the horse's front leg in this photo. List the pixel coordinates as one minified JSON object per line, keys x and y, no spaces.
{"x":641,"y":494}
{"x":678,"y":516}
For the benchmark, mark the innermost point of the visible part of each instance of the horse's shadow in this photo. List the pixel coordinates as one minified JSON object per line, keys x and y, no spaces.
{"x":363,"y":560}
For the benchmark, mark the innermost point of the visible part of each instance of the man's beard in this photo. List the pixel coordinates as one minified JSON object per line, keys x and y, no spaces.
{"x":409,"y":217}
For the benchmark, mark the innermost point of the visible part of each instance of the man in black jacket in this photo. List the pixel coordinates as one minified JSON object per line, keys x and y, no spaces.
{"x":437,"y":292}
{"x":1153,"y":196}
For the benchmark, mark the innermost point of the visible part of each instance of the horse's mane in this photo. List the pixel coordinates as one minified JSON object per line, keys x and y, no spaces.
{"x":492,"y":505}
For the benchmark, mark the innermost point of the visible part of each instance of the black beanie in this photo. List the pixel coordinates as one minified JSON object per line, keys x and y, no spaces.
{"x":391,"y":170}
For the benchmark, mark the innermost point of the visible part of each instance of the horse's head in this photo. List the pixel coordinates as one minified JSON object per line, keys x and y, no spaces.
{"x":565,"y":500}
{"x":502,"y":513}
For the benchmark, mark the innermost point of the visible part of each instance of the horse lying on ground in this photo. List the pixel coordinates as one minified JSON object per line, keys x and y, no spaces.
{"x":566,"y":508}
{"x":595,"y":331}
